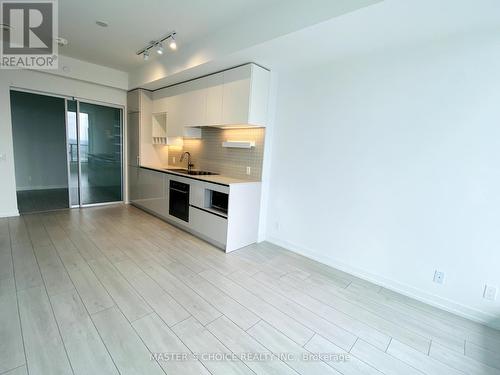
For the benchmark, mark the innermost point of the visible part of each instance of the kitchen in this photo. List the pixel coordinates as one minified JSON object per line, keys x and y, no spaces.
{"x":195,"y":153}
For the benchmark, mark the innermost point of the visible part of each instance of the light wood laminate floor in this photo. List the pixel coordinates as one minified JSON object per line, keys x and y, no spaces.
{"x":100,"y":290}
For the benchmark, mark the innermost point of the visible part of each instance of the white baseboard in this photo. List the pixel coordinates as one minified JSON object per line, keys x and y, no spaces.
{"x":404,"y":289}
{"x":9,"y":214}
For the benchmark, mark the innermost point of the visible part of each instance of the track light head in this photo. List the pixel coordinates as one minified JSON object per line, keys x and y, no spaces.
{"x":159,"y":48}
{"x":145,"y":55}
{"x":173,"y":44}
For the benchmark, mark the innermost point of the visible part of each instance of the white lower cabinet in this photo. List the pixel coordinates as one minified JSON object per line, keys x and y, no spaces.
{"x":133,"y":183}
{"x":208,"y":225}
{"x":152,"y":193}
{"x":231,"y":231}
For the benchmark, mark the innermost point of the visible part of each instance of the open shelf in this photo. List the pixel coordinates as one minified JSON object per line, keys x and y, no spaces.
{"x":159,"y":128}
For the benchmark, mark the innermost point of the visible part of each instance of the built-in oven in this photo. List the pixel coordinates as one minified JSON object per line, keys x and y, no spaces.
{"x":179,"y":200}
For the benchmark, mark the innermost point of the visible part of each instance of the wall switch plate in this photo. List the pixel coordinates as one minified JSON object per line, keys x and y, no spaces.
{"x":439,"y":277}
{"x":173,"y":160}
{"x":3,"y":157}
{"x":249,"y":171}
{"x":490,"y":293}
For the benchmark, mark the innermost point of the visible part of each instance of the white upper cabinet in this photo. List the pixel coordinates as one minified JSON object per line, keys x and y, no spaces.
{"x":233,"y":98}
{"x":245,"y":96}
{"x":133,"y":101}
{"x":194,"y":104}
{"x":236,"y":95}
{"x":185,"y":108}
{"x":174,"y":116}
{"x":259,"y":96}
{"x":214,"y":85}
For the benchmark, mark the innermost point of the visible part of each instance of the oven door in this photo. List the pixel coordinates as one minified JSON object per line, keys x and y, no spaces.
{"x":179,"y":200}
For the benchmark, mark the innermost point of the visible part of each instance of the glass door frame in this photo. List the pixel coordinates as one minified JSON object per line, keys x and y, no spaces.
{"x":69,"y":154}
{"x":122,"y":156}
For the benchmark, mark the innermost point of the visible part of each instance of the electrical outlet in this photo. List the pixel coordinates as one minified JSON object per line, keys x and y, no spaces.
{"x":249,"y":171}
{"x":490,"y":293}
{"x":439,"y":277}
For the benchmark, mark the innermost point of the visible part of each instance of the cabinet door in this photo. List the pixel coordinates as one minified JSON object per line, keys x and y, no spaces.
{"x":153,"y":192}
{"x":133,"y":156}
{"x":214,"y":90}
{"x":193,"y":104}
{"x":174,"y":116}
{"x":133,"y":183}
{"x":133,"y":139}
{"x":208,"y":225}
{"x":133,"y":101}
{"x":236,"y":95}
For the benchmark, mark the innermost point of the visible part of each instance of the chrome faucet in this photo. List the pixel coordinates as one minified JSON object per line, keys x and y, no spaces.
{"x":190,"y":165}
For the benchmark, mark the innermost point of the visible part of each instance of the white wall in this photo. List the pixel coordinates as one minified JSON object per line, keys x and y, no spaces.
{"x":388,"y":166}
{"x":84,"y":71}
{"x":39,"y":81}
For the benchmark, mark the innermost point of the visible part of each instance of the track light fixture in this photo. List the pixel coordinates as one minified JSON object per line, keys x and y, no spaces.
{"x":158,"y":46}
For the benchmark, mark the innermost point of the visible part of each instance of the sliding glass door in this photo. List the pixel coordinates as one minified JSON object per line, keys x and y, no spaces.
{"x":39,"y":139}
{"x":94,"y":153}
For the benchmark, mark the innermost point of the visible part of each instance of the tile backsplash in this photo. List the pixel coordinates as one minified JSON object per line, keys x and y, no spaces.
{"x":208,"y":154}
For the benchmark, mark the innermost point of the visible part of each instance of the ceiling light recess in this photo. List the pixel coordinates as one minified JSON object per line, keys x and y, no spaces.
{"x":62,"y":41}
{"x":158,"y":45}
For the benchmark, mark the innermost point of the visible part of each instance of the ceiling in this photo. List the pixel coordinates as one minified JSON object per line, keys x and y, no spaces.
{"x":278,"y":20}
{"x":388,"y":25}
{"x":279,"y":34}
{"x":132,"y":24}
{"x":383,"y":26}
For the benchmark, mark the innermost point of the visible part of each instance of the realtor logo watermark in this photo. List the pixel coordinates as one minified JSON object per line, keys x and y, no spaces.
{"x":29,"y":34}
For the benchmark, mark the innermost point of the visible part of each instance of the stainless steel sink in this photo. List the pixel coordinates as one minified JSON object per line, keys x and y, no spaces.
{"x":192,"y":173}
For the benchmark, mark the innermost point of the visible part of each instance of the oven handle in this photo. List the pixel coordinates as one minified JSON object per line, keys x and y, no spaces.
{"x":179,"y":191}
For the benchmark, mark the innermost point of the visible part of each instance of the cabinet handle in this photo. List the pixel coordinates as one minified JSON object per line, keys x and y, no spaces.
{"x":178,"y":191}
{"x":138,"y":160}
